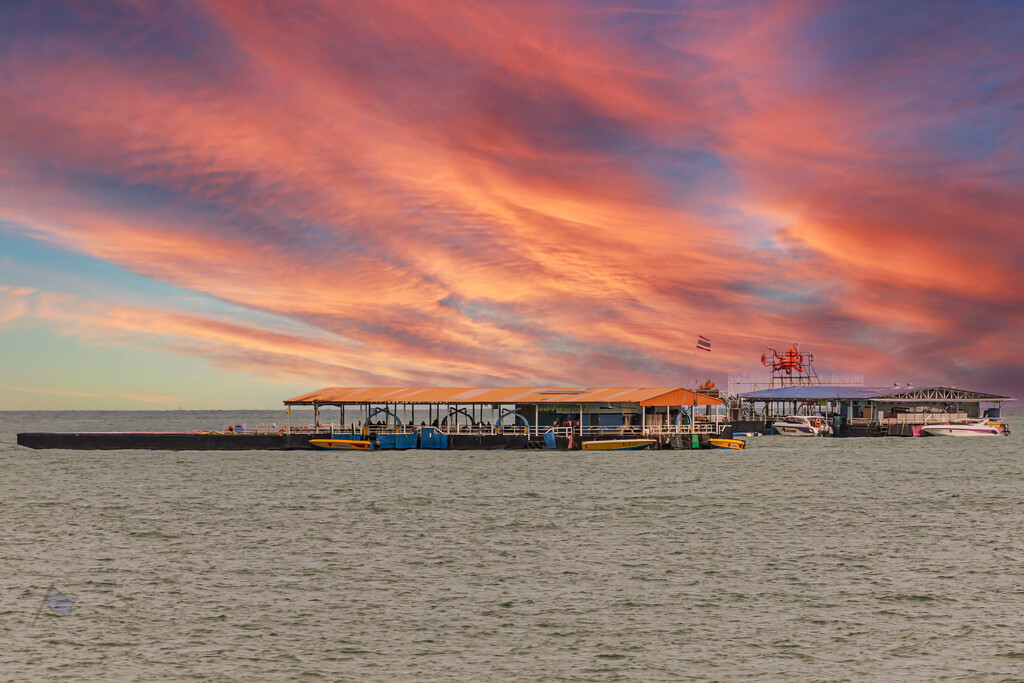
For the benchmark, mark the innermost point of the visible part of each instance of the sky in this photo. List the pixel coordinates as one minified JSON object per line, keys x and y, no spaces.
{"x":225,"y":204}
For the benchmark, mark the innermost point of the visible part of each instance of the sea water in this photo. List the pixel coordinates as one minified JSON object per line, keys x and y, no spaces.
{"x":795,"y":559}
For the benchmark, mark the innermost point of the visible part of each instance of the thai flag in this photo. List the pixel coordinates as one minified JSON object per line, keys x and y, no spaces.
{"x":703,"y":343}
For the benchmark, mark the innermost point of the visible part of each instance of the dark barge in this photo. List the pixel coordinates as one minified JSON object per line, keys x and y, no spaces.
{"x":189,"y":441}
{"x":164,"y":441}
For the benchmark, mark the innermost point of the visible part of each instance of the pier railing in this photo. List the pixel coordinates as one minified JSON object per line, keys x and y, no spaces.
{"x":923,"y":418}
{"x":602,"y":431}
{"x":273,"y":428}
{"x":697,"y":428}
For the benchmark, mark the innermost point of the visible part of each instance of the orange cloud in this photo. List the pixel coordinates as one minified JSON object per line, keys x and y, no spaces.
{"x":524,"y":192}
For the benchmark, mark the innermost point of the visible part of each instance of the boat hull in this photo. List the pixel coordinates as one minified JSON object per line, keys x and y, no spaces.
{"x":801,"y":426}
{"x":962,"y":430}
{"x":794,"y":431}
{"x":618,"y":445}
{"x":342,"y":444}
{"x":732,"y":444}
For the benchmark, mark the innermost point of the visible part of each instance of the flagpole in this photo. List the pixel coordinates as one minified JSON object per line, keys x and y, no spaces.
{"x":42,"y":605}
{"x":693,"y":363}
{"x":693,"y":410}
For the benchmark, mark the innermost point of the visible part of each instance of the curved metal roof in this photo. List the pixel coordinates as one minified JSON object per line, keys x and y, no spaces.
{"x":889,"y":394}
{"x":656,"y":396}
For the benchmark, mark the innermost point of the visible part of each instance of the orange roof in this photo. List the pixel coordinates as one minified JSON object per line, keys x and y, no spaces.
{"x":657,"y":396}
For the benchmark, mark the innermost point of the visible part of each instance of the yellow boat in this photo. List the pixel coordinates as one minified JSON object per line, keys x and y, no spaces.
{"x":343,"y":444}
{"x":618,"y":445}
{"x":735,"y":444}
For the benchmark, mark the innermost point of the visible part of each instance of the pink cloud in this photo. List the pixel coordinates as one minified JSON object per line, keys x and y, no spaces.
{"x":526,"y":192}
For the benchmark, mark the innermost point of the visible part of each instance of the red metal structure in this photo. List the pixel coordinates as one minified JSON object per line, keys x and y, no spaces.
{"x":789,"y":361}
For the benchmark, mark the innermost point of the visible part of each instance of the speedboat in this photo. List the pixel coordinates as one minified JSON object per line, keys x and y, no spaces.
{"x":999,"y":423}
{"x":802,"y":425}
{"x":982,"y":427}
{"x":618,"y":445}
{"x":344,"y":444}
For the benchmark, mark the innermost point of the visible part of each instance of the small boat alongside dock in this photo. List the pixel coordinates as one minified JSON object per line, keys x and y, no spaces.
{"x":982,"y":427}
{"x":731,"y":444}
{"x":802,"y":425}
{"x":619,"y":445}
{"x":344,"y":444}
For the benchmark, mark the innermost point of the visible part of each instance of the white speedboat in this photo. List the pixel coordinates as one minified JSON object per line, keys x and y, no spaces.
{"x":802,"y":425}
{"x":982,"y":427}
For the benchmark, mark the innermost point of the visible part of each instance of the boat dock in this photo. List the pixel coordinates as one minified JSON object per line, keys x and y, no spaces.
{"x":397,"y":418}
{"x":566,"y":418}
{"x":863,"y":411}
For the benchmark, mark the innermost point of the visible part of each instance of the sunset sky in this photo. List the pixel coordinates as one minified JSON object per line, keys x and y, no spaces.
{"x":224,"y":204}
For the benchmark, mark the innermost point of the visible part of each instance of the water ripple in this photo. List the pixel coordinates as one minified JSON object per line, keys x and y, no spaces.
{"x":868,"y":559}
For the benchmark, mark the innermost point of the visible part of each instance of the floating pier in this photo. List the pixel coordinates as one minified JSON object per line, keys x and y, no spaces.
{"x":452,"y":418}
{"x":864,"y":411}
{"x":396,"y":418}
{"x":793,"y":388}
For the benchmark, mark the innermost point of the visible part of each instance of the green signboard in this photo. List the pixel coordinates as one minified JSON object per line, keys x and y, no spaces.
{"x":559,"y":407}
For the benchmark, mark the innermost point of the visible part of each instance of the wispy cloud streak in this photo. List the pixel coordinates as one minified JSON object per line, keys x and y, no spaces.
{"x":524,"y":192}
